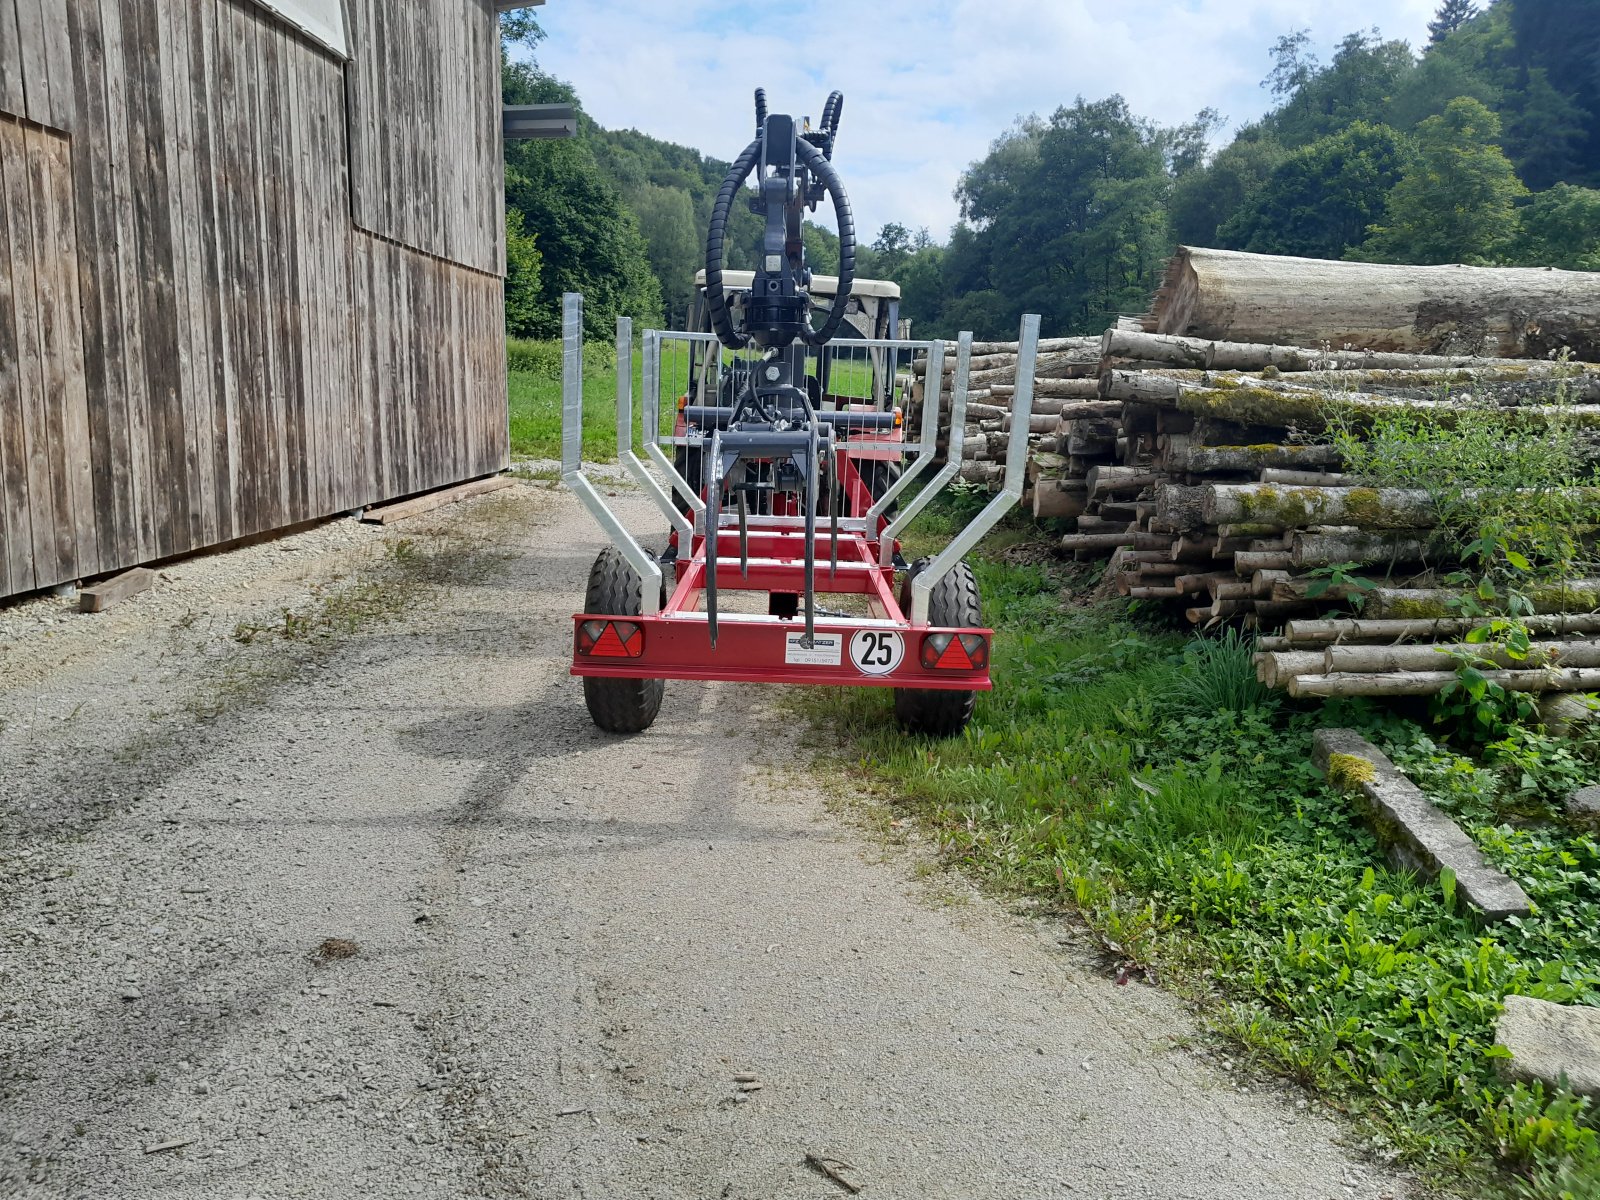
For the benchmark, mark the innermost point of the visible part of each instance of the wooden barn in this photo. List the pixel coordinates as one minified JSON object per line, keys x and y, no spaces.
{"x":251,"y":269}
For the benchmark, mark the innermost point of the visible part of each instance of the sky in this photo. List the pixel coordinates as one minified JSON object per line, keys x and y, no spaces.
{"x":928,"y":87}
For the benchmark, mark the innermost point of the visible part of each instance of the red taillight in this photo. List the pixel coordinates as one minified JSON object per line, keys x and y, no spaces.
{"x":611,"y":639}
{"x":955,"y":652}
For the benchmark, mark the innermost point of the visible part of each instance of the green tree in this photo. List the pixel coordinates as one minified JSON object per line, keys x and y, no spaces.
{"x":1358,"y":85}
{"x":1071,"y":216}
{"x":1203,"y":200}
{"x":672,"y":241}
{"x":1319,"y":202}
{"x":1452,"y":15}
{"x":589,"y":240}
{"x":1457,"y":202}
{"x":1561,"y":228}
{"x":524,"y":265}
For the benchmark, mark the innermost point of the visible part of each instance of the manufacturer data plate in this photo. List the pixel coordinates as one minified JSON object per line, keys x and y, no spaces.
{"x":826,"y":650}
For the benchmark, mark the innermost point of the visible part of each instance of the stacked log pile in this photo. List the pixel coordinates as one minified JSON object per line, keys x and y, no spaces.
{"x":1066,"y":384}
{"x":1203,"y":471}
{"x":1235,"y":471}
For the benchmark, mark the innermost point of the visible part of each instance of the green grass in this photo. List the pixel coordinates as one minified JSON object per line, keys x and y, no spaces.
{"x":534,"y":390}
{"x":535,"y":396}
{"x":1123,"y":773}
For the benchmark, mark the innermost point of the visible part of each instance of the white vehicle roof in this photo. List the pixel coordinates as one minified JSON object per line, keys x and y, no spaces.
{"x":823,"y":285}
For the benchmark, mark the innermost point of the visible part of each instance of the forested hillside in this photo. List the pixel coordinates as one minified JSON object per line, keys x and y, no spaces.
{"x":616,"y":214}
{"x":1480,"y":147}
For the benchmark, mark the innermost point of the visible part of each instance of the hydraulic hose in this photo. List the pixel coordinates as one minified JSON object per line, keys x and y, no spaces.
{"x":824,"y":170}
{"x":716,"y":298}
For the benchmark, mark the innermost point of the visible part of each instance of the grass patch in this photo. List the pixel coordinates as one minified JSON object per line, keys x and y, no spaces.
{"x":533,"y":384}
{"x":1139,"y":779}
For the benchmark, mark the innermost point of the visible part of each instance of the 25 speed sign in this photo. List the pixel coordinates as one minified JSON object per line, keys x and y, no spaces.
{"x":877,"y":651}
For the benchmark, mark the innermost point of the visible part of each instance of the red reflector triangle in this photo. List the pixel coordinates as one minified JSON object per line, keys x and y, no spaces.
{"x":955,"y":657}
{"x":610,"y":645}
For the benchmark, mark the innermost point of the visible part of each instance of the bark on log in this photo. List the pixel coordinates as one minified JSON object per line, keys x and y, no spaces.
{"x":1154,"y":347}
{"x":1281,"y":476}
{"x":1154,"y":593}
{"x":1511,"y":378}
{"x":1300,"y":507}
{"x":1428,"y":683}
{"x":1334,"y":630}
{"x":1224,"y":295}
{"x":1055,"y":389}
{"x":1267,"y":406}
{"x":1364,"y":548}
{"x":1181,"y":507}
{"x":1573,"y":596}
{"x":1101,"y":541}
{"x":1261,"y":560}
{"x":1118,"y":481}
{"x":1204,"y":460}
{"x":1372,"y":659}
{"x":1257,"y":356}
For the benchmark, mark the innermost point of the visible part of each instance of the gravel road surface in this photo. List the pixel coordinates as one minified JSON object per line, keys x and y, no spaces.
{"x":376,"y":911}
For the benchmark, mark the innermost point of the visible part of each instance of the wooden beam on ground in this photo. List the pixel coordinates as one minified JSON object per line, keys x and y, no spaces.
{"x":102,"y":595}
{"x":389,"y":513}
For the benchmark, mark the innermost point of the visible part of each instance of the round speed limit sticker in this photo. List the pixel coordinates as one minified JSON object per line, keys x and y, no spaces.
{"x":877,"y":651}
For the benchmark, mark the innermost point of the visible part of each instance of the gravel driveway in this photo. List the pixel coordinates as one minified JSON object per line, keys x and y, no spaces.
{"x":380,"y":913}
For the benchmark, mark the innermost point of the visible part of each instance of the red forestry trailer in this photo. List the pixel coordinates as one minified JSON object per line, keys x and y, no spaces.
{"x":786,"y":484}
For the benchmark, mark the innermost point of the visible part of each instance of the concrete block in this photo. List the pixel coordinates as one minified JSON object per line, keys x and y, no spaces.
{"x":1585,"y":802}
{"x":1416,"y":836}
{"x":1549,"y":1042}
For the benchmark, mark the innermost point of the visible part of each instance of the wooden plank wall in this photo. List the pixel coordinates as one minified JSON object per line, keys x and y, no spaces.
{"x":196,"y":343}
{"x":421,"y":65}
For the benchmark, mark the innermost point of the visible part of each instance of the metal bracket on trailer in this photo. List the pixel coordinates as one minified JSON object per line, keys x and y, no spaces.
{"x":652,"y":414}
{"x":625,"y":453}
{"x":638,"y":557}
{"x":1016,"y":469}
{"x":952,"y":467}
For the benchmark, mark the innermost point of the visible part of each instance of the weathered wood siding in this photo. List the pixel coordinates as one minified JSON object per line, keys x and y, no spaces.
{"x":197,"y":342}
{"x":419,"y":66}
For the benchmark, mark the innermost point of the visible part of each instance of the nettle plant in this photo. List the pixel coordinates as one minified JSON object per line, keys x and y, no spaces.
{"x":1511,"y":487}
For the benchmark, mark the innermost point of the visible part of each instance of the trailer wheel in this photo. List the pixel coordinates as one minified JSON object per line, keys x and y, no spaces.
{"x":954,"y":602}
{"x":618,"y":705}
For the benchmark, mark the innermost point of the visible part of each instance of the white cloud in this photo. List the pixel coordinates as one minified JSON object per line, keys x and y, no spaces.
{"x":927,"y":86}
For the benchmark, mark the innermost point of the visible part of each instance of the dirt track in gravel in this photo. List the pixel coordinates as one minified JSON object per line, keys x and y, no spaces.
{"x":570,"y":945}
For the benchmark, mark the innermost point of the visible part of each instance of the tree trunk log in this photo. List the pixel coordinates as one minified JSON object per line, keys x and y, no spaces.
{"x":1056,"y":500}
{"x":1261,"y":560}
{"x":1365,"y":548}
{"x":1298,"y":508}
{"x":1224,"y":295}
{"x":1154,"y":347}
{"x":1206,"y":460}
{"x":1256,"y":356}
{"x":1119,"y":481}
{"x":1276,"y":669}
{"x":1371,"y":659}
{"x":1573,"y":596}
{"x":1282,"y":477}
{"x":1110,"y":541}
{"x":1331,"y":631}
{"x":1428,"y":683}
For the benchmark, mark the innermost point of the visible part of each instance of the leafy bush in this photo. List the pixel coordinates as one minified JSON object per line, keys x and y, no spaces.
{"x":542,"y":357}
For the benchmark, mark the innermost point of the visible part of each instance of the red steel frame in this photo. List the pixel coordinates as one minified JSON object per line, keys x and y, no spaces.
{"x":764,"y":649}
